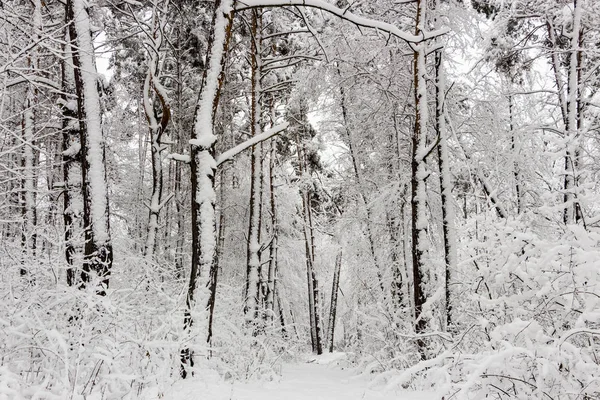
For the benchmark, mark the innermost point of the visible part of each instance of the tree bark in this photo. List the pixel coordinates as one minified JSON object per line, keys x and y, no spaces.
{"x":273,"y":247}
{"x":281,"y":312}
{"x":98,"y":255}
{"x":253,"y":273}
{"x":445,"y":187}
{"x":309,"y":243}
{"x":513,"y":147}
{"x":156,"y":130}
{"x":571,"y":128}
{"x":335,"y":286}
{"x":203,"y":168}
{"x":28,"y":158}
{"x":418,"y":174}
{"x":71,"y":158}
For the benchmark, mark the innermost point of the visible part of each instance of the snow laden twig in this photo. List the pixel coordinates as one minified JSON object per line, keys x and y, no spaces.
{"x":408,"y":373}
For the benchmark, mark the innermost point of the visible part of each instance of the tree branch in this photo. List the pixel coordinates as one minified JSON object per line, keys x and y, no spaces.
{"x":343,"y":14}
{"x":234,"y":151}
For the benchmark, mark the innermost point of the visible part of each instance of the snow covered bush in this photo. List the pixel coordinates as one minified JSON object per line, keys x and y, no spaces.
{"x":527,"y":324}
{"x":60,"y":342}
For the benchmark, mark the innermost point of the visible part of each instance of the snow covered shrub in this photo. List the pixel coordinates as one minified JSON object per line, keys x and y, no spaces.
{"x":241,"y":351}
{"x":526,"y":319}
{"x":59,"y":342}
{"x":531,"y":318}
{"x":524,"y":362}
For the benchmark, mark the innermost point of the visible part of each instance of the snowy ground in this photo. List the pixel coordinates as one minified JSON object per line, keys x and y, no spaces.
{"x":302,"y":381}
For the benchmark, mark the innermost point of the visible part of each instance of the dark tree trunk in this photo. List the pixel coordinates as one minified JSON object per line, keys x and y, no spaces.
{"x":98,"y":255}
{"x":71,"y":164}
{"x":335,"y":286}
{"x":272,"y":276}
{"x":203,"y":169}
{"x":253,"y":266}
{"x":445,"y":186}
{"x":418,"y":171}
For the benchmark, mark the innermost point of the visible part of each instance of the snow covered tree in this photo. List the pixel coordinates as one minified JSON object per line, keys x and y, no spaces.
{"x":98,"y":253}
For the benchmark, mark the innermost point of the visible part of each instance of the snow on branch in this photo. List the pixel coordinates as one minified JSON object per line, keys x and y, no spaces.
{"x":185,"y":158}
{"x":35,"y":79}
{"x":343,"y":14}
{"x":577,"y":331}
{"x":234,"y":151}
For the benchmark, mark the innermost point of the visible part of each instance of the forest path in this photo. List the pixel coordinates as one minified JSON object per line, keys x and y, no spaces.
{"x":302,"y":381}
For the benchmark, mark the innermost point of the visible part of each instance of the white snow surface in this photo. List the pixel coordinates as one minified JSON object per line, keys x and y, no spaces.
{"x":318,"y":379}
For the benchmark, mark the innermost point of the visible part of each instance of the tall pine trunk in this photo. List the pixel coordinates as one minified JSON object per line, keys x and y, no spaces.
{"x":445,"y":187}
{"x":570,"y":214}
{"x":335,"y":287}
{"x":273,"y":246}
{"x":253,"y":273}
{"x":71,"y":158}
{"x":418,"y":174}
{"x":309,"y":246}
{"x":28,"y":157}
{"x":203,"y":167}
{"x":98,"y":255}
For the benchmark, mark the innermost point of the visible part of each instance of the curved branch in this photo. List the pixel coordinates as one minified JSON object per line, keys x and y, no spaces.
{"x":345,"y":15}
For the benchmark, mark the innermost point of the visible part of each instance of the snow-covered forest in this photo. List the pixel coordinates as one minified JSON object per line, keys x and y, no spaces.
{"x":198,"y":193}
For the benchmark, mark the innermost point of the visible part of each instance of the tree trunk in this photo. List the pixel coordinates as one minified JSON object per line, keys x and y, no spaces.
{"x":514,"y":154}
{"x":28,"y":158}
{"x":281,"y":311}
{"x":395,"y":222}
{"x":177,"y":186}
{"x":71,"y":164}
{"x":272,"y":276}
{"x":571,"y":128}
{"x":157,"y":148}
{"x":28,"y":235}
{"x":98,"y":255}
{"x":418,"y":174}
{"x":335,"y":286}
{"x":203,"y":168}
{"x":253,"y":278}
{"x":214,"y":273}
{"x":445,"y":187}
{"x":309,"y":242}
